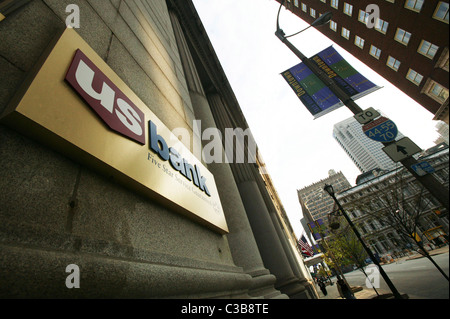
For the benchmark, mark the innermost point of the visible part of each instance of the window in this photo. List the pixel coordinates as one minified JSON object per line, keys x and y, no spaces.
{"x":312,"y":12}
{"x":362,"y":16}
{"x":375,"y":52}
{"x":436,"y":91}
{"x":296,"y":3}
{"x":348,"y":9}
{"x":364,"y":230}
{"x":359,"y":42}
{"x":393,"y":63}
{"x":414,"y":77}
{"x":381,"y":26}
{"x":427,"y":49}
{"x":441,"y":12}
{"x":334,"y":3}
{"x":402,"y":36}
{"x":414,"y":5}
{"x":333,"y":25}
{"x":304,"y":8}
{"x":345,"y":33}
{"x":443,"y":60}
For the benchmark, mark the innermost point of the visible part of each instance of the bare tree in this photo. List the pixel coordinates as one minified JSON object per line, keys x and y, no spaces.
{"x":402,"y":209}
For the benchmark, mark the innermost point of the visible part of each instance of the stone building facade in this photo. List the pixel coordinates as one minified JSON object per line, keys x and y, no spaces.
{"x":60,"y":206}
{"x":366,"y":205}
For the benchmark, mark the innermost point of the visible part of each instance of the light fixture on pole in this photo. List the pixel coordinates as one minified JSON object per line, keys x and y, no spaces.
{"x":329,"y":189}
{"x":323,"y":19}
{"x":439,"y":191}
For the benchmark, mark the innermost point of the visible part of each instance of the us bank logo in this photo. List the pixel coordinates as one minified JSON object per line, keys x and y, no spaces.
{"x":106,"y":99}
{"x":93,"y":117}
{"x":121,"y":115}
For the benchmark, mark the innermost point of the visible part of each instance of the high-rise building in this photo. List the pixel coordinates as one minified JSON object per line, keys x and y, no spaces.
{"x":407,"y":44}
{"x":315,"y":202}
{"x":366,"y":153}
{"x":442,"y":129}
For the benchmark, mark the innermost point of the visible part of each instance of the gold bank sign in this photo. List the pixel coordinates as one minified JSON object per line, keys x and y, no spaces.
{"x":74,"y":102}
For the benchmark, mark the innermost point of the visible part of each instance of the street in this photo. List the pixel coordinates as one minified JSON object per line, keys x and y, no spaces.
{"x":418,"y":278}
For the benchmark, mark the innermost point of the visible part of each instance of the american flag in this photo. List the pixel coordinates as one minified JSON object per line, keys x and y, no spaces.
{"x":305,"y":247}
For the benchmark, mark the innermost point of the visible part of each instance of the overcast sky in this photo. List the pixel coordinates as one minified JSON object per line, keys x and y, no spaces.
{"x":297,"y":149}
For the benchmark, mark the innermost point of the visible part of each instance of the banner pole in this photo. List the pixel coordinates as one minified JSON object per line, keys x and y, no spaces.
{"x":429,"y":182}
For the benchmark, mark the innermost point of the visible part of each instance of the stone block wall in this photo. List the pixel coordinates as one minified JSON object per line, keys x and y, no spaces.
{"x":55,"y":212}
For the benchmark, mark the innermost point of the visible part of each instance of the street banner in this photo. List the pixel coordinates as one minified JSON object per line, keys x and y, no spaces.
{"x":316,"y":249}
{"x":318,"y":229}
{"x":314,"y":94}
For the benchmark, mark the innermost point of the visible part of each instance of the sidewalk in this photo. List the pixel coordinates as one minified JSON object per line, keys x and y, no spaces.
{"x":369,"y":293}
{"x":416,"y":255}
{"x":362,"y":293}
{"x":433,"y":252}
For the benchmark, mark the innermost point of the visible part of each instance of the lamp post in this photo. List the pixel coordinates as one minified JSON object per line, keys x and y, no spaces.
{"x":329,"y":189}
{"x":428,"y":181}
{"x":323,"y":19}
{"x":327,"y":247}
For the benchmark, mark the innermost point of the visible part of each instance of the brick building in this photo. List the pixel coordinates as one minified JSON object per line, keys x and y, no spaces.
{"x":407,"y":44}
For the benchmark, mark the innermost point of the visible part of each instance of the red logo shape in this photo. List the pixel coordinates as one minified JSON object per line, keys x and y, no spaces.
{"x":105,"y":98}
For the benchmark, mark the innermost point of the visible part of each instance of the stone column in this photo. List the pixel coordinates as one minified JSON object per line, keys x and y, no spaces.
{"x":278,"y":226}
{"x":289,"y":253}
{"x":240,"y":238}
{"x":282,"y":235}
{"x":288,"y":241}
{"x":269,"y":244}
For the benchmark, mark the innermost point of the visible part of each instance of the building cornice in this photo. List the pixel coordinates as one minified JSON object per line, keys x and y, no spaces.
{"x":210,"y":70}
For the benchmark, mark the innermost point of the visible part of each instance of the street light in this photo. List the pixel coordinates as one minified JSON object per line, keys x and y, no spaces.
{"x":323,"y":19}
{"x":334,"y":224}
{"x":329,"y":189}
{"x":325,"y":245}
{"x":428,"y":181}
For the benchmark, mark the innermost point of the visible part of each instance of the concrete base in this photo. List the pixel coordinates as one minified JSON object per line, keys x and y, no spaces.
{"x":35,"y":273}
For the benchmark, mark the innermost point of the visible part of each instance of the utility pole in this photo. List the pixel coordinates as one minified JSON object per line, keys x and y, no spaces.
{"x":428,"y":181}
